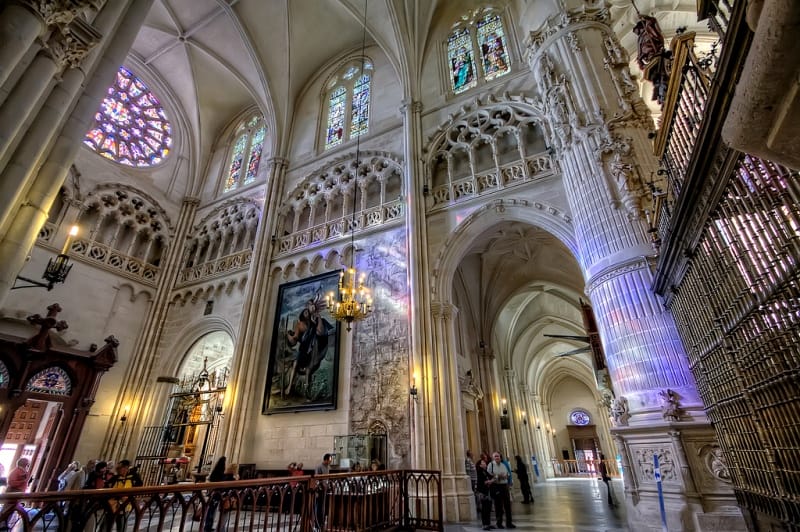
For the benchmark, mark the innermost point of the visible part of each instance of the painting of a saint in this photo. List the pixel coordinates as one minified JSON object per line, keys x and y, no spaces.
{"x":304,"y":358}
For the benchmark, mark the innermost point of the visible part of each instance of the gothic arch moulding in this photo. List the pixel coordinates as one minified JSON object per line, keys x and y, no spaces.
{"x":190,"y":335}
{"x":547,"y":217}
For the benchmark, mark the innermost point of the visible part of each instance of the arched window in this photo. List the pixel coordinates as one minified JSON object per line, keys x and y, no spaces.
{"x":477,"y":39}
{"x":130,"y":127}
{"x":246,"y":154}
{"x":347,"y":103}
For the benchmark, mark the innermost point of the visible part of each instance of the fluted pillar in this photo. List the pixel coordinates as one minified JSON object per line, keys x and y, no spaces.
{"x":249,"y":345}
{"x":599,"y":127}
{"x":20,"y":235}
{"x":447,"y":437}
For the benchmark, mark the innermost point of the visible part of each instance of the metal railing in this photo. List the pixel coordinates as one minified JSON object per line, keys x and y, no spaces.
{"x":583,"y":468}
{"x":352,"y":501}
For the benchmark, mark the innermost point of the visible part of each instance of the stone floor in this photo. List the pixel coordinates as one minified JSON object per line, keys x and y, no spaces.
{"x":568,"y":504}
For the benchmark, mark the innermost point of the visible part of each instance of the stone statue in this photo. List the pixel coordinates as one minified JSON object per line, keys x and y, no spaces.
{"x":718,"y":466}
{"x":619,"y":412}
{"x":650,"y":40}
{"x":670,"y":406}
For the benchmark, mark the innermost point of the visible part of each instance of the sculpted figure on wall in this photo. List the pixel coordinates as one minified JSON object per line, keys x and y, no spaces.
{"x":619,"y":412}
{"x":670,"y":406}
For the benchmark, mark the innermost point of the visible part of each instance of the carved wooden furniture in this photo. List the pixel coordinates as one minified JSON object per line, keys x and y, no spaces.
{"x":57,"y":381}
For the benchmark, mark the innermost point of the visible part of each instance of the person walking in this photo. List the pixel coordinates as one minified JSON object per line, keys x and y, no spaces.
{"x":524,"y":481}
{"x":500,"y":474}
{"x":604,"y":476}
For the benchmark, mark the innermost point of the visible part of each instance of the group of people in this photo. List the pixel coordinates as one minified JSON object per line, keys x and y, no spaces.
{"x":492,"y":480}
{"x":99,"y":474}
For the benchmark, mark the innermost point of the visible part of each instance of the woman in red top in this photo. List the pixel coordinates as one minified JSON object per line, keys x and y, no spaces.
{"x":18,"y":477}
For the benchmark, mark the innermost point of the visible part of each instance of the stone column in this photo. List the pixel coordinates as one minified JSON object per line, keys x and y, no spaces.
{"x":20,"y":236}
{"x":138,"y":383}
{"x":16,"y":176}
{"x":599,"y":128}
{"x":446,"y":437}
{"x":252,"y":332}
{"x":423,"y":455}
{"x":19,"y":27}
{"x":491,"y":414}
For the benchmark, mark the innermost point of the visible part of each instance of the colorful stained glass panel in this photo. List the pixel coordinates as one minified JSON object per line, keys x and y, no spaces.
{"x":235,"y":171}
{"x":462,"y":66}
{"x":119,"y":131}
{"x":359,"y":121}
{"x":54,"y":381}
{"x":492,"y":41}
{"x":256,"y":146}
{"x":335,"y":129}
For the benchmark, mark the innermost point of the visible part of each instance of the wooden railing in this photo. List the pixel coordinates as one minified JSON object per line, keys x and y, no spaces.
{"x":409,"y":499}
{"x":583,"y":468}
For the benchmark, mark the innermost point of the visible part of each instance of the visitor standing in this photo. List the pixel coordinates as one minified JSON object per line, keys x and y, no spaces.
{"x":324,"y":468}
{"x":501,"y":475}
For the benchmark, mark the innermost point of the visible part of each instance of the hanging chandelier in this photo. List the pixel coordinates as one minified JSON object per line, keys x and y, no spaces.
{"x":354,"y":302}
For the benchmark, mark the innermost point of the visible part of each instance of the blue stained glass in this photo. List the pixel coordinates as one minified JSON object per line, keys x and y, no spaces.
{"x":359,"y":121}
{"x":491,"y":38}
{"x":462,"y":66}
{"x":53,"y":381}
{"x":119,"y":131}
{"x":335,"y":129}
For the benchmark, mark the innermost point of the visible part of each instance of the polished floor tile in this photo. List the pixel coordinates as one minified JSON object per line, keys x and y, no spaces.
{"x":562,"y":505}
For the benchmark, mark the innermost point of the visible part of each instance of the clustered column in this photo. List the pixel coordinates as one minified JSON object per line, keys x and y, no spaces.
{"x":35,"y":167}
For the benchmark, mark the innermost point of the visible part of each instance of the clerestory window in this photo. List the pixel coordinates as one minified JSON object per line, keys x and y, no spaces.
{"x":245,"y":158}
{"x":347,"y":102}
{"x":477,"y":50}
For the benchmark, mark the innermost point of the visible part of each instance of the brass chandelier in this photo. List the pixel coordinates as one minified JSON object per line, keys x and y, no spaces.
{"x":354,"y":302}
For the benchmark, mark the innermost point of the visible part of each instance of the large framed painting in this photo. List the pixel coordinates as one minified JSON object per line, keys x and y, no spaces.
{"x":303,"y":367}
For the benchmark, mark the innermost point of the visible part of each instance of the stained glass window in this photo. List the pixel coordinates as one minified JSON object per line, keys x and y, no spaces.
{"x":54,"y":381}
{"x":493,"y":46}
{"x":236,"y":163}
{"x":336,"y":109}
{"x":462,"y":66}
{"x":579,"y":417}
{"x":130,"y":127}
{"x":255,"y":155}
{"x":246,"y":153}
{"x":360,"y":107}
{"x":348,"y":102}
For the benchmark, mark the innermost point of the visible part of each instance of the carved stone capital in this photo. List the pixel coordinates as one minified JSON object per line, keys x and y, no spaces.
{"x":69,"y":44}
{"x":564,"y":23}
{"x":60,"y":12}
{"x":414,"y":105}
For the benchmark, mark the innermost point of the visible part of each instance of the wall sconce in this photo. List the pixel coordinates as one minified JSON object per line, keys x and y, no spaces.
{"x":124,"y":417}
{"x":538,"y":425}
{"x":412,"y":391}
{"x":504,"y":407}
{"x":56,"y":270}
{"x":554,"y":433}
{"x":524,"y":419}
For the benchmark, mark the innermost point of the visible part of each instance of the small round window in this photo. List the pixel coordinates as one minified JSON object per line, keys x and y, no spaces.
{"x":580,"y":417}
{"x":130,"y":127}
